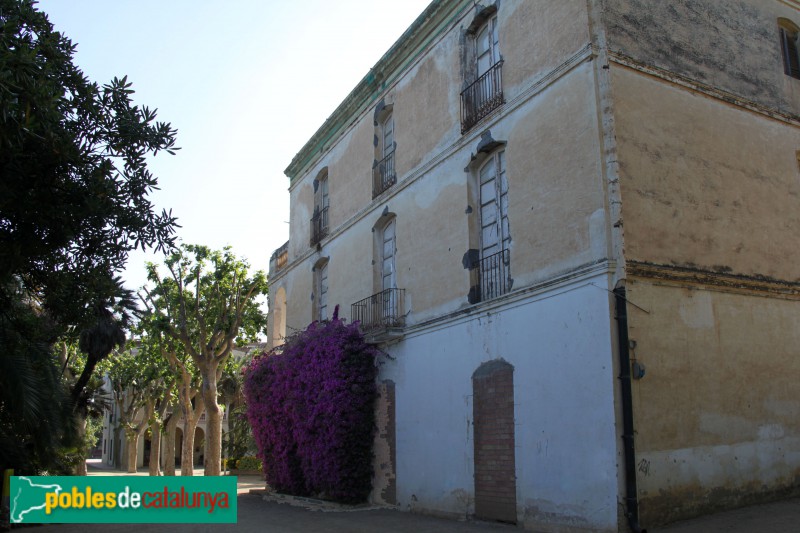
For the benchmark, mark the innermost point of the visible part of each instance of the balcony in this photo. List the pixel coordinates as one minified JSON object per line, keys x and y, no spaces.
{"x":382,"y":315}
{"x":383,"y":175}
{"x":490,"y":277}
{"x":482,"y":97}
{"x":319,"y":225}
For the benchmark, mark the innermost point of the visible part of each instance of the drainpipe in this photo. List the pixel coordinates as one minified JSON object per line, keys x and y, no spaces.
{"x":631,"y":500}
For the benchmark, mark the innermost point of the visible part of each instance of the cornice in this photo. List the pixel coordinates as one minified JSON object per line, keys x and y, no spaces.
{"x":794,"y":4}
{"x":727,"y":282}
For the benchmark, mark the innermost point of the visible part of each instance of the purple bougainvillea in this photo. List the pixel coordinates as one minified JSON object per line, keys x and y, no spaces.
{"x":311,"y":406}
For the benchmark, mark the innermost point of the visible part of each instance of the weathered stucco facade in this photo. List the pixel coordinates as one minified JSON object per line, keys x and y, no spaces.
{"x":707,"y":138}
{"x":621,"y":194}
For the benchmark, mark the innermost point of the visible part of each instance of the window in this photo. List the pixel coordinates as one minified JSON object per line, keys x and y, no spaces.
{"x":789,"y":47}
{"x":387,"y":249}
{"x":319,"y":222}
{"x":487,"y":47}
{"x":484,"y":89}
{"x":383,"y":173}
{"x":321,"y":290}
{"x":490,"y":265}
{"x":384,"y":308}
{"x":387,"y":129}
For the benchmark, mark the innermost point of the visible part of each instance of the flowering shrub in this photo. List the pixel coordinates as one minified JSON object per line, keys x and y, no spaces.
{"x":311,"y":407}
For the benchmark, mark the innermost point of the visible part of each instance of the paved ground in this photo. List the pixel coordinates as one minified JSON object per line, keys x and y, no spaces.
{"x":778,"y":517}
{"x":285,"y":515}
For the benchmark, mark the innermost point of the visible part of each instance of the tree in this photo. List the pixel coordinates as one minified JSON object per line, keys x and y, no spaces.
{"x":187,"y":387}
{"x":170,"y":425}
{"x":140,"y":383}
{"x":35,"y":411}
{"x":161,"y":392}
{"x":208,"y":304}
{"x":93,"y":401}
{"x":74,"y":195}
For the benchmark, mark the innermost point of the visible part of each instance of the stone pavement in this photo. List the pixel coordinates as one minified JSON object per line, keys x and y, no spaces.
{"x":280,"y":514}
{"x":776,"y":517}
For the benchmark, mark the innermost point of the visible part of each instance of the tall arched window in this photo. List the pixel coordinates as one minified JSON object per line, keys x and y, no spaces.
{"x":385,"y":307}
{"x":387,"y":131}
{"x":319,"y":222}
{"x":494,"y":205}
{"x":388,"y":250}
{"x":489,"y":256}
{"x":487,"y":47}
{"x":789,"y":33}
{"x":383,"y":171}
{"x":483,"y":63}
{"x":321,"y":290}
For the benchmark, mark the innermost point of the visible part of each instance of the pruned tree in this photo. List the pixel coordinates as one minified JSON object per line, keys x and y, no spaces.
{"x":170,"y":426}
{"x":138,"y":382}
{"x":207,"y":303}
{"x":161,"y":393}
{"x":186,"y":379}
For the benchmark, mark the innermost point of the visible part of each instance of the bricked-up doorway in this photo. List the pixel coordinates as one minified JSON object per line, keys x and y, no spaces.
{"x":493,"y":418}
{"x":384,"y":480}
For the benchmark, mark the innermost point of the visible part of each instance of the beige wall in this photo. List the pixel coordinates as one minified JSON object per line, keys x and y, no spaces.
{"x":716,"y":413}
{"x":555,"y":175}
{"x":710,"y":189}
{"x":537,"y":37}
{"x":557,"y":193}
{"x":426,"y":107}
{"x":731,"y":46}
{"x":706,"y":184}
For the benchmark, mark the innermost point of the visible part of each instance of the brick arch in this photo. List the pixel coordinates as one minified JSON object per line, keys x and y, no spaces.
{"x":493,"y":421}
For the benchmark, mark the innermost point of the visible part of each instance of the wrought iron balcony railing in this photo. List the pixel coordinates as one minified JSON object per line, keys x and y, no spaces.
{"x":482,"y":96}
{"x":381,"y":310}
{"x":319,"y":225}
{"x":383,"y":175}
{"x":491,"y":276}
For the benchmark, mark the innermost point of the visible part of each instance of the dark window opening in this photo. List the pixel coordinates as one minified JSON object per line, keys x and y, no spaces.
{"x":789,"y":50}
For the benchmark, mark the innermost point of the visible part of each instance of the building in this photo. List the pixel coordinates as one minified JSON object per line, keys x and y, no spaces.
{"x":575,"y":227}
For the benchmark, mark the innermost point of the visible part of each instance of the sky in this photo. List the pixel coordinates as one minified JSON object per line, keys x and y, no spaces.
{"x":245,"y":82}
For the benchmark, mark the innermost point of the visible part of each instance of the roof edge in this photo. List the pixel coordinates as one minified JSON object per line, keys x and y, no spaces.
{"x":389,"y":67}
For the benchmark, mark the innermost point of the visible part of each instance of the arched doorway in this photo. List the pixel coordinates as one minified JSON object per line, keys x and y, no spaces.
{"x":178,"y":446}
{"x":493,"y":416}
{"x":148,"y":445}
{"x":199,"y":447}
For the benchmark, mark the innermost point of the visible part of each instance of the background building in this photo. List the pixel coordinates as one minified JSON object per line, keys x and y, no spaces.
{"x":574,"y":226}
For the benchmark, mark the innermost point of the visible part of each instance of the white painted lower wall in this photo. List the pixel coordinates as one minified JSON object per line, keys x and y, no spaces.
{"x":559,"y":343}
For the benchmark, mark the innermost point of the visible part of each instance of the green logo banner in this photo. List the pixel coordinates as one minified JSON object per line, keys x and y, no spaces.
{"x":122,"y":499}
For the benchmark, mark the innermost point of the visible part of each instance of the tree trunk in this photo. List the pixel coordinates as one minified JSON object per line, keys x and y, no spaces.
{"x":132,"y":438}
{"x":213,"y":422}
{"x":155,"y":448}
{"x":169,"y":445}
{"x":116,"y":457}
{"x":137,"y":431}
{"x":191,"y":417}
{"x":155,"y":434}
{"x":80,"y":468}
